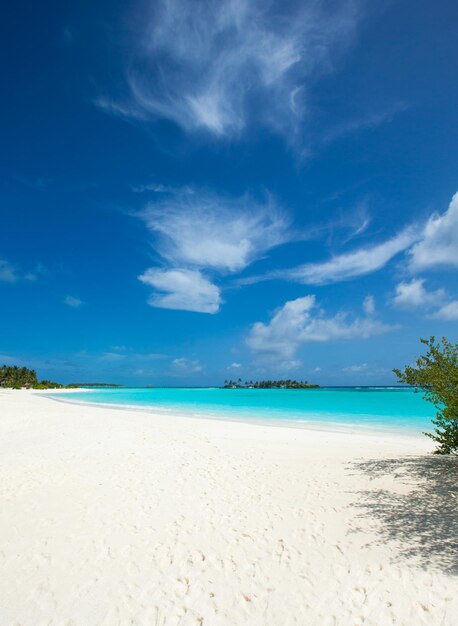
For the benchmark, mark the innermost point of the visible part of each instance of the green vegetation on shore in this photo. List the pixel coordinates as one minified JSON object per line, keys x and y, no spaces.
{"x":436,"y":376}
{"x":269,"y":384}
{"x":16,"y":377}
{"x":97,"y":385}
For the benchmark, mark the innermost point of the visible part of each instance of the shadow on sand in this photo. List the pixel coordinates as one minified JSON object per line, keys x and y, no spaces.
{"x":425,"y":519}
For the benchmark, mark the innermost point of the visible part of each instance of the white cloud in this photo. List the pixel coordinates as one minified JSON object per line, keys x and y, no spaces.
{"x":234,"y":366}
{"x":350,"y":264}
{"x":413,"y":294}
{"x":299,"y":321}
{"x":202,"y":230}
{"x":73,"y":302}
{"x":216,"y":66}
{"x":288,"y":365}
{"x":187,"y":365}
{"x":113,"y":356}
{"x":448,"y":312}
{"x":369,"y":305}
{"x":432,"y":245}
{"x":8,"y":273}
{"x":153,"y":187}
{"x":356,"y":368}
{"x":439,"y":243}
{"x":124,"y":352}
{"x":122,"y":355}
{"x":182,"y":289}
{"x":195,"y":231}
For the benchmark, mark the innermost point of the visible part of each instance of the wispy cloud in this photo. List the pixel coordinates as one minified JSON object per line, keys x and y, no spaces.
{"x":364,"y":122}
{"x":209,"y":231}
{"x":73,"y":302}
{"x":113,"y":356}
{"x":216,"y":66}
{"x":126,"y":109}
{"x":9,"y":273}
{"x":153,"y":187}
{"x":184,"y":365}
{"x":427,"y":246}
{"x":438,"y":247}
{"x":369,"y":305}
{"x":354,"y":224}
{"x":361,"y":367}
{"x":120,"y":353}
{"x":300,"y":321}
{"x":348,"y":265}
{"x":198,"y":232}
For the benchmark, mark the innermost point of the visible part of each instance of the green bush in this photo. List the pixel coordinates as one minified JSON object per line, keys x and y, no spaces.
{"x":436,"y":376}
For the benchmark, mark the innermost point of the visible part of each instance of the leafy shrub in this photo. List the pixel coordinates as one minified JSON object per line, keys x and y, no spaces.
{"x":436,"y":375}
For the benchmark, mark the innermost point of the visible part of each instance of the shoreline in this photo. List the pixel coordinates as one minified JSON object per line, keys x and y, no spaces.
{"x":318,"y":425}
{"x":111,"y":517}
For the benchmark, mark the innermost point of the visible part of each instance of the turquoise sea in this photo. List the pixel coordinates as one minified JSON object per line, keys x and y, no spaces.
{"x":340,"y":408}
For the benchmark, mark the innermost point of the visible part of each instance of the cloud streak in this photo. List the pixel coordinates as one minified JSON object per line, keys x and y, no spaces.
{"x":203,"y":230}
{"x":214,"y":67}
{"x":73,"y":302}
{"x":367,"y":122}
{"x":427,"y":246}
{"x":369,"y":305}
{"x":183,"y":365}
{"x":345,"y":266}
{"x":8,"y":273}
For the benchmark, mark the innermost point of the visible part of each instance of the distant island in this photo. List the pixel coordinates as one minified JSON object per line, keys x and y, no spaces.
{"x":15,"y":377}
{"x":268,"y":384}
{"x":97,"y":385}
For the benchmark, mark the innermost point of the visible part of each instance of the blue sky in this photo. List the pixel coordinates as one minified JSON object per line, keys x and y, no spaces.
{"x":197,"y":191}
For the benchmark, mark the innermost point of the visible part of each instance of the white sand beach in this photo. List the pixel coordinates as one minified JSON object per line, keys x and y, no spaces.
{"x":119,"y":517}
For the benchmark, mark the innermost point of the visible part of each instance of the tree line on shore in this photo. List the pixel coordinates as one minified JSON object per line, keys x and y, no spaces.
{"x":15,"y":377}
{"x":268,"y":384}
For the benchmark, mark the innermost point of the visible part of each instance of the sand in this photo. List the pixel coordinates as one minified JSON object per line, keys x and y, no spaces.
{"x":120,"y":517}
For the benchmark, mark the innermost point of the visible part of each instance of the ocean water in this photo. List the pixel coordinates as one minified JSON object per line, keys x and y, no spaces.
{"x":386,"y":409}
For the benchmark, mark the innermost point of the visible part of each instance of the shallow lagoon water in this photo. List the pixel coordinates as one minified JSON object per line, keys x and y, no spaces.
{"x":386,"y":409}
